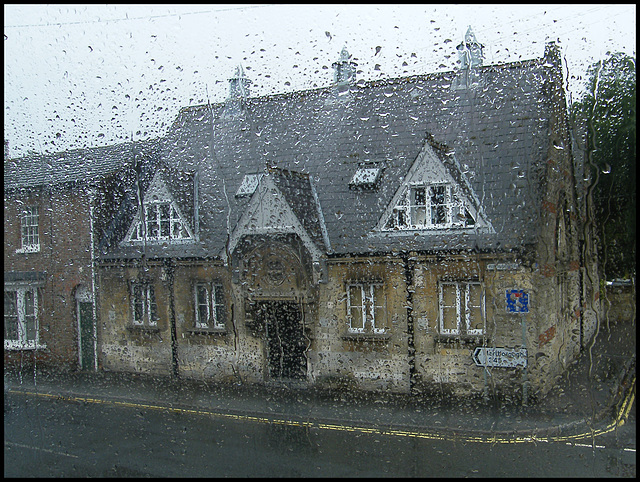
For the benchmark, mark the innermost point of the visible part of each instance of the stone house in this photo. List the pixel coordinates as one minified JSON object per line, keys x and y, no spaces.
{"x":408,"y":234}
{"x":53,"y":206}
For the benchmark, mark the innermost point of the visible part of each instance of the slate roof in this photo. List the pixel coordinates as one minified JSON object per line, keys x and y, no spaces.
{"x":73,"y":166}
{"x":498,"y":133}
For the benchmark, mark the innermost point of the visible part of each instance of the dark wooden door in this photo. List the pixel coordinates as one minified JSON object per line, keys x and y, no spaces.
{"x":285,"y":339}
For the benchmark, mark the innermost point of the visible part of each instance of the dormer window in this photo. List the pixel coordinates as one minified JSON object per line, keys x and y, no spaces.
{"x":161,"y":222}
{"x":434,"y":196}
{"x":429,"y":207}
{"x":366,"y":178}
{"x":248,"y":185}
{"x":159,"y":219}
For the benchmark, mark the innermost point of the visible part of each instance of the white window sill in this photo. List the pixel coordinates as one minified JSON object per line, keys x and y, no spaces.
{"x":366,"y":336}
{"x":159,"y":241}
{"x":19,"y":346}
{"x":202,"y":330}
{"x":29,"y":249}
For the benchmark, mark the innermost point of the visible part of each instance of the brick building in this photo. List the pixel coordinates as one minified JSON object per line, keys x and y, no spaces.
{"x":53,"y":206}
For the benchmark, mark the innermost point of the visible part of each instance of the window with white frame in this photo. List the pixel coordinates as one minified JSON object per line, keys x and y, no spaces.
{"x":366,"y":310}
{"x":30,"y":230}
{"x":209,"y":306}
{"x":462,"y":308}
{"x":144,"y":309}
{"x":161,"y":222}
{"x":21,"y":318}
{"x":428,"y":207}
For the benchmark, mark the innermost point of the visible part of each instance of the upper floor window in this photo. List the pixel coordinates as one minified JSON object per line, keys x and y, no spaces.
{"x":462,"y":308}
{"x":161,"y":222}
{"x":209,"y":306}
{"x":30,"y":230}
{"x":143,"y":304}
{"x":429,"y":206}
{"x":21,"y":318}
{"x":366,"y":310}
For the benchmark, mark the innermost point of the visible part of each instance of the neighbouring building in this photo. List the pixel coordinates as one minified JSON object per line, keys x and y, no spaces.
{"x":408,"y":234}
{"x":53,"y":206}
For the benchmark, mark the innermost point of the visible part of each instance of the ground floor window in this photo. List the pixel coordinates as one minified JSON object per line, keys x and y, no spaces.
{"x":143,"y":304}
{"x":209,"y":306}
{"x":366,"y":310}
{"x":462,"y":308}
{"x":21,"y":318}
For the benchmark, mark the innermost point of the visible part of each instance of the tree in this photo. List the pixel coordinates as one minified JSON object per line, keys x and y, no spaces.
{"x":608,"y":109}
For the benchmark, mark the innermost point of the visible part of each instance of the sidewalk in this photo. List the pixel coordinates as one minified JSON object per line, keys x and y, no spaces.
{"x":588,"y":394}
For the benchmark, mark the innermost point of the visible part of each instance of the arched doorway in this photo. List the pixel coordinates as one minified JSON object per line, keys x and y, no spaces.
{"x":275,"y":277}
{"x":87,"y":349}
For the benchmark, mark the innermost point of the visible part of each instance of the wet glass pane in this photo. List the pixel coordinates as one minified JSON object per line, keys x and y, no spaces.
{"x":319,"y":240}
{"x":202,"y":306}
{"x":356,"y":308}
{"x":10,"y":316}
{"x":450,"y":308}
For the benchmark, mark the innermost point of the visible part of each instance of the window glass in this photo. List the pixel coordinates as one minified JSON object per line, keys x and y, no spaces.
{"x":144,"y":308}
{"x":30,"y":229}
{"x":475,"y":308}
{"x":202,"y":306}
{"x":379,"y":308}
{"x":438,"y":205}
{"x":218,"y":306}
{"x":450,"y":308}
{"x":10,"y":316}
{"x":356,"y":308}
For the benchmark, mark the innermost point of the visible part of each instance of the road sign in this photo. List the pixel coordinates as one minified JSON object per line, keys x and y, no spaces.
{"x":500,"y":357}
{"x":517,"y":301}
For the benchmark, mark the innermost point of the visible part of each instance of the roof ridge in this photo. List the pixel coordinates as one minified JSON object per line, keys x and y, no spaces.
{"x":363,"y":84}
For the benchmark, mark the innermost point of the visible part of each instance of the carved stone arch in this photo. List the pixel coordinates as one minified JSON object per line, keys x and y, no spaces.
{"x":274,"y":267}
{"x":275,"y":277}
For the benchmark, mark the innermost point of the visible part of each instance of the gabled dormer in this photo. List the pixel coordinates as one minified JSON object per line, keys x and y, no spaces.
{"x":284,"y":202}
{"x":160,"y":218}
{"x":435,"y":196}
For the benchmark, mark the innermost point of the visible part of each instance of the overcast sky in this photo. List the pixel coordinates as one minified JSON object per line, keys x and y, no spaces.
{"x":84,"y":76}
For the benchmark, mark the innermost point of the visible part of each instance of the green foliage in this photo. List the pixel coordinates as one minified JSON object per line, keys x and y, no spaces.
{"x":609,"y":110}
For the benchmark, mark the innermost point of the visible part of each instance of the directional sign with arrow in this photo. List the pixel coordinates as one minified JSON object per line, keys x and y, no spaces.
{"x":500,"y":357}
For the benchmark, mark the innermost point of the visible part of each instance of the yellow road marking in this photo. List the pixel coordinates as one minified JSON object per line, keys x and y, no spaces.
{"x":620,"y":419}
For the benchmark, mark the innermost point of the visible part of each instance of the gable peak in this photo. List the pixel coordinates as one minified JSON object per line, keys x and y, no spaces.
{"x":344,"y":70}
{"x":435,"y":195}
{"x":470,"y":51}
{"x":239,"y":84}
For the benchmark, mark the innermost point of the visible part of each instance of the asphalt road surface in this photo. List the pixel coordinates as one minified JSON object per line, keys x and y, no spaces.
{"x":53,"y":437}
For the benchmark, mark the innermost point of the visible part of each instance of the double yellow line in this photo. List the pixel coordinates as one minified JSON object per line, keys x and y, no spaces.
{"x":620,"y":419}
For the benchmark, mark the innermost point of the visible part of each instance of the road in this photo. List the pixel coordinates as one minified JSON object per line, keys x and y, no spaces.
{"x":74,"y":437}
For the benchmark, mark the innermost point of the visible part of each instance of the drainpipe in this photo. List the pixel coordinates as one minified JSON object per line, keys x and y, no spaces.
{"x":169,"y":270}
{"x":92,"y":198}
{"x":409,"y":264}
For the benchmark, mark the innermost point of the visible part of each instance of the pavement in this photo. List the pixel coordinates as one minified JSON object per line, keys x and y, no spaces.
{"x":598,"y":391}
